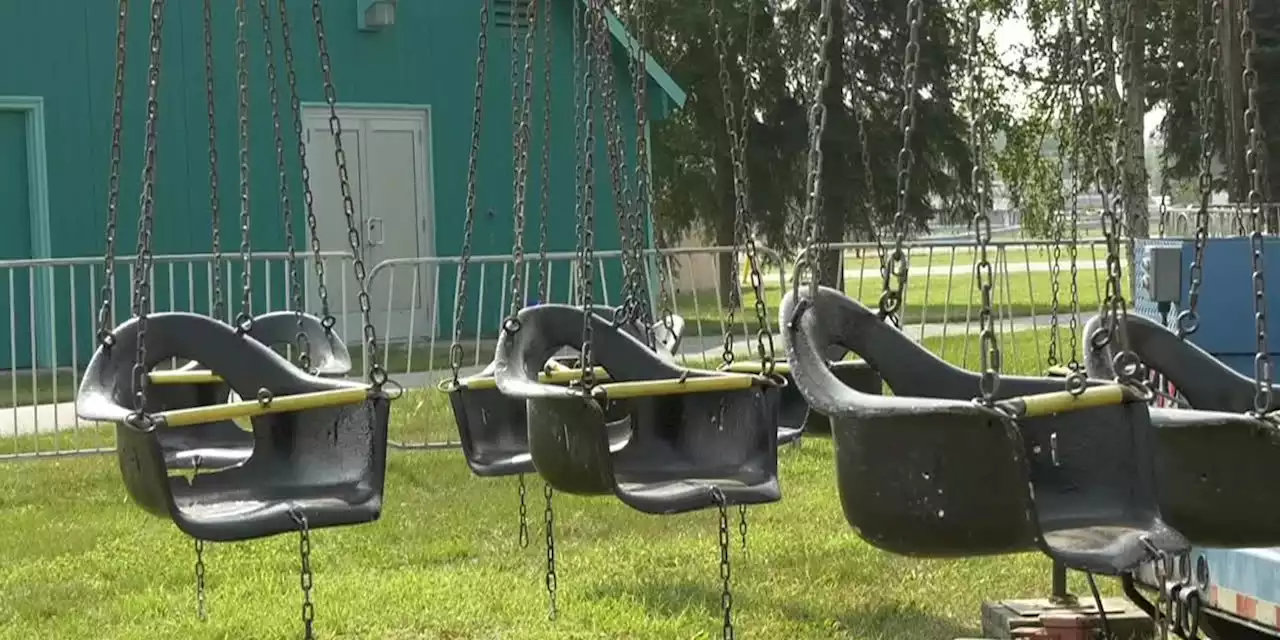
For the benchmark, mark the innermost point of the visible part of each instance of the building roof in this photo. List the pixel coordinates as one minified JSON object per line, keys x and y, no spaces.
{"x":672,"y":97}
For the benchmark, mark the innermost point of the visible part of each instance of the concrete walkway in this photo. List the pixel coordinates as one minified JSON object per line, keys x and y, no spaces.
{"x":697,"y":350}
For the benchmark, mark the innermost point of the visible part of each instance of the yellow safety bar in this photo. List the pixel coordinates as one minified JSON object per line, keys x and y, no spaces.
{"x":254,"y":408}
{"x":184,"y":376}
{"x":655,"y":388}
{"x":1047,"y":404}
{"x":561,"y":375}
{"x":1058,"y":372}
{"x":750,"y":366}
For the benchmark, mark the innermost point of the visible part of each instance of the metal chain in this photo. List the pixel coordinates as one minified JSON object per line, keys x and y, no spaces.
{"x":305,"y":575}
{"x":1253,"y":160}
{"x":989,"y":383}
{"x":522,"y":102}
{"x":308,"y":198}
{"x":1055,"y":265}
{"x":1210,"y":47}
{"x":377,"y":375}
{"x":726,"y":568}
{"x":742,"y":233}
{"x":146,"y":216}
{"x":477,"y":112}
{"x":586,"y":227}
{"x":742,"y":525}
{"x":1081,"y":132}
{"x":286,"y":203}
{"x":895,"y":280}
{"x":644,"y":184}
{"x":524,"y":514}
{"x":1126,"y":363}
{"x":544,"y":272}
{"x":629,"y":226}
{"x":549,"y":520}
{"x":106,"y":321}
{"x":872,"y":199}
{"x":244,"y":320}
{"x":215,"y":203}
{"x":817,"y":126}
{"x":199,"y":544}
{"x":578,"y":51}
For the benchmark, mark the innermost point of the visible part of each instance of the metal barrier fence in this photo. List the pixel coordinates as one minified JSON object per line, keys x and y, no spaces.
{"x":48,"y":331}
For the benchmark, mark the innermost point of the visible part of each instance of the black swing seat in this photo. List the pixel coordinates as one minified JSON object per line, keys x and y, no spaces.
{"x":696,"y":437}
{"x":931,"y":472}
{"x":319,"y":444}
{"x":794,"y":417}
{"x":1213,"y":462}
{"x":493,"y":428}
{"x":223,"y":444}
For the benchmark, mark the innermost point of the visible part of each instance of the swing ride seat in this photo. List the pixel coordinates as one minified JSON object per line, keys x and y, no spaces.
{"x":222,"y":444}
{"x":319,"y":444}
{"x":1213,"y":460}
{"x":794,"y":416}
{"x":932,"y":472}
{"x":696,"y":437}
{"x":493,"y":428}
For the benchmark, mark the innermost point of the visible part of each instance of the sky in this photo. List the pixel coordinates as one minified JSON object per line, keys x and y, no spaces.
{"x":1010,"y":33}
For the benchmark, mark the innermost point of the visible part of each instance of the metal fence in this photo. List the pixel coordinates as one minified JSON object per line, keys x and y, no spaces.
{"x":52,"y":308}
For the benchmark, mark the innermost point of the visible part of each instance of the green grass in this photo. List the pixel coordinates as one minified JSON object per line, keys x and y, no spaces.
{"x":78,"y":560}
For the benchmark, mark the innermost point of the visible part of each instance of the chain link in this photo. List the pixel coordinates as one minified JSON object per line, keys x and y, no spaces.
{"x":306,"y":578}
{"x":1253,"y":164}
{"x":282,"y":177}
{"x":989,"y":355}
{"x":146,"y":216}
{"x":586,"y":227}
{"x":477,"y":112}
{"x":895,"y":280}
{"x":215,"y":204}
{"x":524,"y":514}
{"x":549,"y":521}
{"x":544,"y":266}
{"x":629,"y":224}
{"x":201,"y":613}
{"x":522,"y":100}
{"x":1110,"y":184}
{"x":377,"y":375}
{"x":308,"y":198}
{"x":810,"y":261}
{"x":726,"y":568}
{"x":244,"y":320}
{"x":1210,"y":47}
{"x":106,"y":321}
{"x":1076,"y":377}
{"x":643,"y":197}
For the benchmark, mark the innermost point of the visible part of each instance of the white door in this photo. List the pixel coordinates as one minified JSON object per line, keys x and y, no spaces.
{"x":388,"y":174}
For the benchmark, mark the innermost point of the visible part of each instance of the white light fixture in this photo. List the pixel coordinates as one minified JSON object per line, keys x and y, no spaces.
{"x":373,"y":15}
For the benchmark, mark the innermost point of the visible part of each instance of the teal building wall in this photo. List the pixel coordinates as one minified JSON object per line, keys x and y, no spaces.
{"x":61,"y":55}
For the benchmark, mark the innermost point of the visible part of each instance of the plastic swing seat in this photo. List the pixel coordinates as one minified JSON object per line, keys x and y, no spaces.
{"x":696,"y":438}
{"x":794,"y":416}
{"x":493,"y":428}
{"x":319,"y":444}
{"x":1211,"y":460}
{"x":222,"y":444}
{"x":931,"y":472}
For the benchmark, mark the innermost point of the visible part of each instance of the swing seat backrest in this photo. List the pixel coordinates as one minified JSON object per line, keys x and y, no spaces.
{"x":223,"y":444}
{"x":493,"y":428}
{"x":319,"y":446}
{"x":1211,"y":461}
{"x":683,"y":444}
{"x":935,"y":474}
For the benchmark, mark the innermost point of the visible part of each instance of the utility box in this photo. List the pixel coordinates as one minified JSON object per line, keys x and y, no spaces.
{"x":1161,"y":277}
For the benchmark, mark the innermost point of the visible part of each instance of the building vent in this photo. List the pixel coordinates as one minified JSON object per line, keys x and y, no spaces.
{"x":512,"y":14}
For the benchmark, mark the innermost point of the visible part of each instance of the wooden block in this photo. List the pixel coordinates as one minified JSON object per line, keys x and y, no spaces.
{"x":1008,"y":619}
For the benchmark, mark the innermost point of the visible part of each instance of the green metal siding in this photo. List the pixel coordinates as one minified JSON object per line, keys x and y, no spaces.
{"x":65,"y":53}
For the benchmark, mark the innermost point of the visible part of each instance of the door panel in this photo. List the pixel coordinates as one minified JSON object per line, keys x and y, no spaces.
{"x":391,"y":224}
{"x":331,"y":222}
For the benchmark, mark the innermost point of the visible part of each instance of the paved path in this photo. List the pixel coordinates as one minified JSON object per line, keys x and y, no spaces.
{"x":52,"y":418}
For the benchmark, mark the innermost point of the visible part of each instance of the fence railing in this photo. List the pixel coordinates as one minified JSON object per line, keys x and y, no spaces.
{"x":47,"y":334}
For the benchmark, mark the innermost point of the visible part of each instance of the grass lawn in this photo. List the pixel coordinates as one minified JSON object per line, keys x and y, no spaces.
{"x":79,"y":560}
